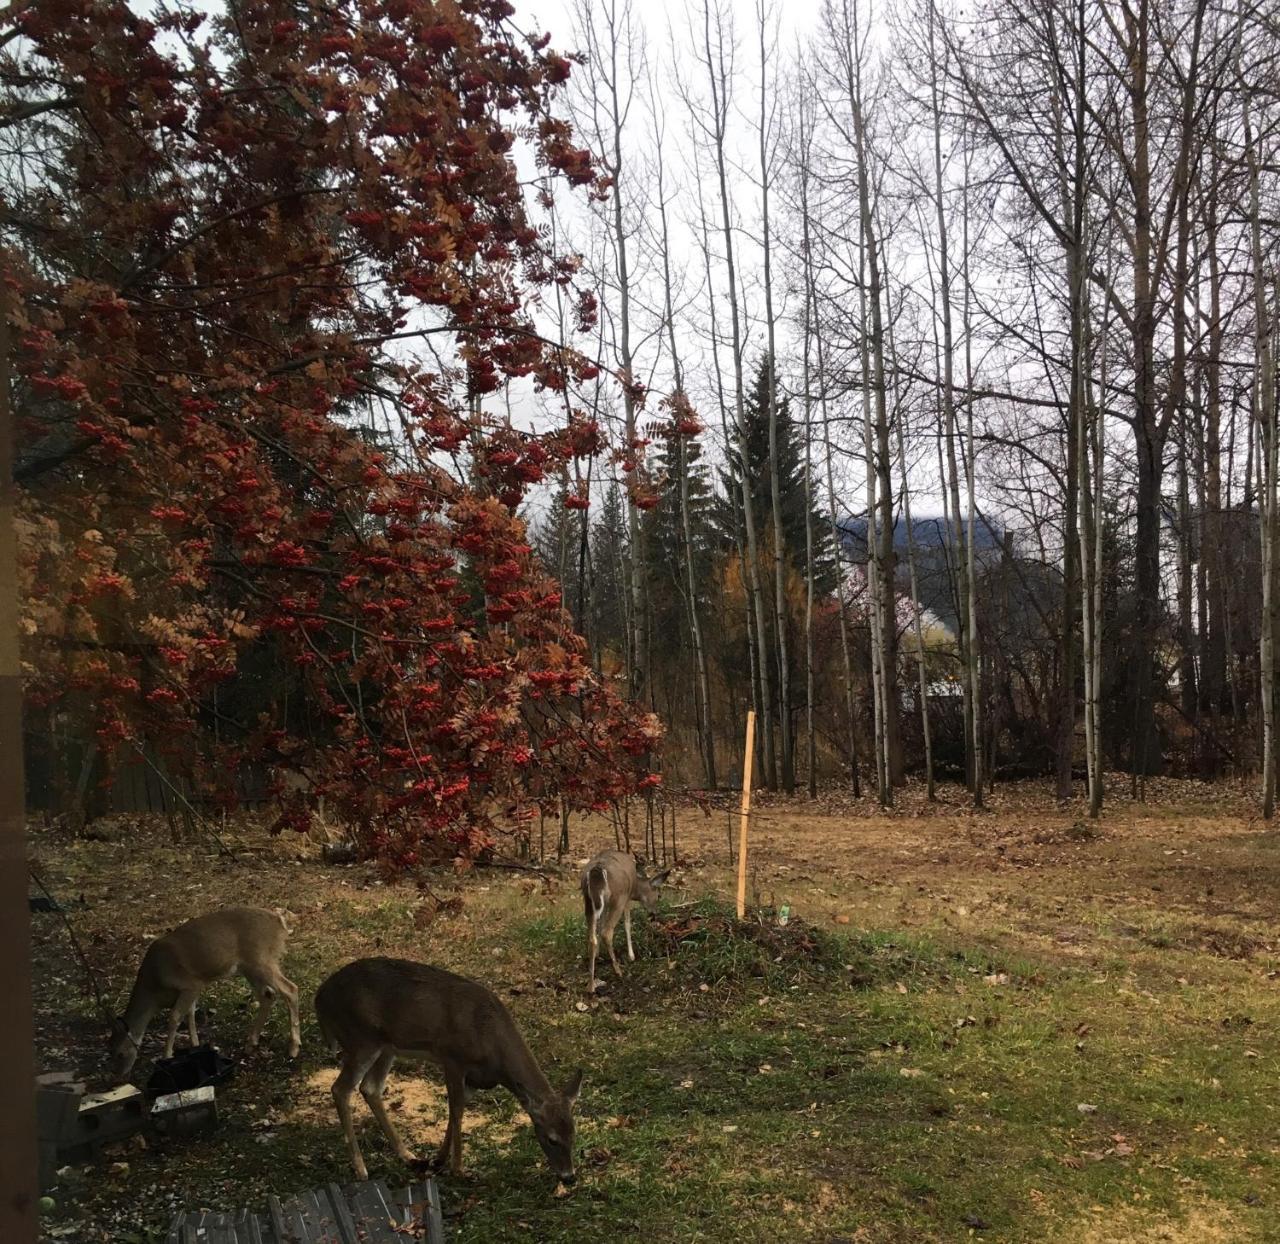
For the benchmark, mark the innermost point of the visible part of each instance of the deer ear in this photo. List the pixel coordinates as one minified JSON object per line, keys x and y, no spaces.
{"x":659,"y":878}
{"x":572,"y":1087}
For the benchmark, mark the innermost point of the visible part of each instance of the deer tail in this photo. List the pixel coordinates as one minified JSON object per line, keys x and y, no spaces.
{"x":597,"y":892}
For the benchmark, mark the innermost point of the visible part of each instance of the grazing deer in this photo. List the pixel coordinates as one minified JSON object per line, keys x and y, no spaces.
{"x":179,"y":966}
{"x":610,"y":881}
{"x":373,"y":1009}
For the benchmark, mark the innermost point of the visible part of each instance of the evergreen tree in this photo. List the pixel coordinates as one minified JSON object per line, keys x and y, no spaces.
{"x":666,"y":534}
{"x":790,"y":482}
{"x":607,"y":607}
{"x":557,"y":537}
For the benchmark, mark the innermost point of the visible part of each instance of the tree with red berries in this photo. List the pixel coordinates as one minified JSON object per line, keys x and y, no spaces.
{"x":264,"y":265}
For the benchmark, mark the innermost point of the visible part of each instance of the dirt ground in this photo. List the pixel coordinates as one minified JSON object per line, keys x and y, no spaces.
{"x":1153,"y":930}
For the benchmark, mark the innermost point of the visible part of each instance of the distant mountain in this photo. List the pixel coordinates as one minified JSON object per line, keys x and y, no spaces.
{"x":935,"y":555}
{"x":926,"y":533}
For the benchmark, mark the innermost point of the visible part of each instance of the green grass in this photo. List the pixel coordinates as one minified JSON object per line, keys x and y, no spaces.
{"x":908,"y":1097}
{"x":745,"y":1082}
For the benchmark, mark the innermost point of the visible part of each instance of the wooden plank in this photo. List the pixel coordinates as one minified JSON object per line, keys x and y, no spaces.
{"x":300,"y":1218}
{"x":342,"y":1216}
{"x":275,"y":1212}
{"x":372,"y":1206}
{"x":252,"y":1232}
{"x":362,"y":1213}
{"x":221,"y":1230}
{"x":434,"y":1213}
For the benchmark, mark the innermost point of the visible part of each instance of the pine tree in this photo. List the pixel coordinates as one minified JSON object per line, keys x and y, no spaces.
{"x":790,"y":483}
{"x":666,"y":538}
{"x":557,"y":538}
{"x":607,"y":606}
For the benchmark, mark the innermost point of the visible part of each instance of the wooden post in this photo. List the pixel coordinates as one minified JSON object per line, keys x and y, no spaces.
{"x":747,"y":757}
{"x":18,"y":1191}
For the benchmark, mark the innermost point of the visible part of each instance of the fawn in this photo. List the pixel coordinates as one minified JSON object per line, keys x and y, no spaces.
{"x":179,"y":966}
{"x":610,"y":881}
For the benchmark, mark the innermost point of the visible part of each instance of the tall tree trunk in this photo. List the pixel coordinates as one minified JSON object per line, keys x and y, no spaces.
{"x":719,"y":77}
{"x":952,"y":479}
{"x":811,"y":738}
{"x":1264,"y":408}
{"x":706,"y":734}
{"x":875,"y":618}
{"x":736,"y":504}
{"x":788,"y":773}
{"x":1213,"y":672}
{"x":974,"y":649}
{"x":921,"y":661}
{"x":637,"y":562}
{"x":1176,"y":391}
{"x":1077,"y":516}
{"x":837,"y":545}
{"x":1093,"y":606}
{"x":1186,"y":626}
{"x":879,"y":461}
{"x":1148,"y":433}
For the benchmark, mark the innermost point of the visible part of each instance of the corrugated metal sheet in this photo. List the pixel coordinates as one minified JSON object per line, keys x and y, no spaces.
{"x":363,"y":1213}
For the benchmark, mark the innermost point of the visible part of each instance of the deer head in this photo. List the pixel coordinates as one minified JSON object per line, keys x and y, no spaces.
{"x":647,"y":888}
{"x":553,"y":1126}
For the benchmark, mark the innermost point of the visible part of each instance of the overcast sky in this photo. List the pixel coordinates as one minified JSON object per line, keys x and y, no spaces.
{"x":666,"y":27}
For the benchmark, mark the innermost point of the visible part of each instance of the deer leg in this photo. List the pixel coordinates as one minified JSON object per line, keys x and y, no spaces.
{"x":184,"y":1003}
{"x":289,"y":992}
{"x":266,"y":1000}
{"x":191,"y":1026}
{"x":375,"y":1080}
{"x":354,"y":1068}
{"x":451,"y":1147}
{"x":593,"y":946}
{"x":611,"y":927}
{"x":626,"y":923}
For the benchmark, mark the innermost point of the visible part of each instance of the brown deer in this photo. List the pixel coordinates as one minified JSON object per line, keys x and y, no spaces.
{"x":373,"y":1009}
{"x":179,"y":966}
{"x":610,"y":882}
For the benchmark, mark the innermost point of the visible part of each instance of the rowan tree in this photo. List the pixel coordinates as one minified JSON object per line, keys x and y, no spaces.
{"x":238,"y":241}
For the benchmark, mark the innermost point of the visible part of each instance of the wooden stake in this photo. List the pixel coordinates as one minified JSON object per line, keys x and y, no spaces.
{"x":747,"y":758}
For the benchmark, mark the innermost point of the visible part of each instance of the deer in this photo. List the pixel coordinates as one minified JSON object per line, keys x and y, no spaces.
{"x":611,"y":881}
{"x":373,"y":1009}
{"x":178,"y":967}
